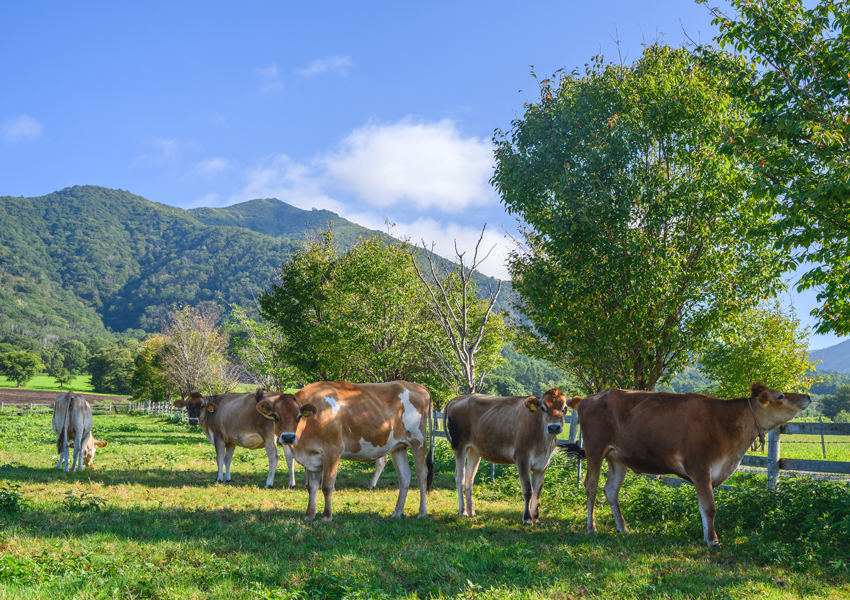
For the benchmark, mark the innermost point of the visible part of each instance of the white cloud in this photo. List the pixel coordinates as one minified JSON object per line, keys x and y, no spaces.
{"x":271,"y":79}
{"x":21,"y":129}
{"x":426,"y":164}
{"x":168,"y":150}
{"x":211,"y":166}
{"x":340,"y":64}
{"x":281,"y":177}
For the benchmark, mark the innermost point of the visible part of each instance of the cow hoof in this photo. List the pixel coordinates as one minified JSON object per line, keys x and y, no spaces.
{"x":714,"y":546}
{"x":327,"y":519}
{"x":370,"y":487}
{"x":291,"y":487}
{"x":422,"y":515}
{"x":395,"y":516}
{"x":228,"y":481}
{"x":269,"y":487}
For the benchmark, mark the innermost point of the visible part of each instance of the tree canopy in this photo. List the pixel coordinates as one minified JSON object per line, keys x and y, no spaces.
{"x":635,"y":226}
{"x":797,"y":135}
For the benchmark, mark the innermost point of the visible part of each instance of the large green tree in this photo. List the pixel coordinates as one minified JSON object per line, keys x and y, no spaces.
{"x":111,"y":368}
{"x":20,"y":366}
{"x":764,"y":343}
{"x":798,"y":135}
{"x":635,"y":226}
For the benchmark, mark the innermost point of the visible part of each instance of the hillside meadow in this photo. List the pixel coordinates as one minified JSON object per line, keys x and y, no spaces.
{"x":148,"y":521}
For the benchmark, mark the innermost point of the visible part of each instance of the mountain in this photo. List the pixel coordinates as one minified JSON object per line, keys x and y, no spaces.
{"x":835,"y":358}
{"x":86,"y":260}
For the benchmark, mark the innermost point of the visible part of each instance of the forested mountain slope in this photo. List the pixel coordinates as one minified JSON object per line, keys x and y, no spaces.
{"x":86,"y":258}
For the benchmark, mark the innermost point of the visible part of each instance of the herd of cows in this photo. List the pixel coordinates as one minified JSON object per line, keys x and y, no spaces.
{"x":699,"y":438}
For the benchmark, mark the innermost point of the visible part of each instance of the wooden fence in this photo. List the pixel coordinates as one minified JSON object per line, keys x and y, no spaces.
{"x":97,"y":408}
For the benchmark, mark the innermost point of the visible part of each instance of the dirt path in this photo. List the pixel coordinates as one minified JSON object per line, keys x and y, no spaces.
{"x":15,"y":396}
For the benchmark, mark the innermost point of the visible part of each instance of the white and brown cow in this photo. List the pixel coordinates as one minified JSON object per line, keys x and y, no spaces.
{"x":90,"y":447}
{"x":699,"y":438}
{"x":518,"y":430}
{"x":329,"y":421}
{"x":72,"y":419}
{"x":231,"y":420}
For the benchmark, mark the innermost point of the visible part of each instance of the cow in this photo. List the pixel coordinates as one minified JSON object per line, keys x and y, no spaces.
{"x":698,"y":438}
{"x":90,"y":446}
{"x":231,"y":420}
{"x":518,"y":430}
{"x":72,"y":417}
{"x":329,"y":421}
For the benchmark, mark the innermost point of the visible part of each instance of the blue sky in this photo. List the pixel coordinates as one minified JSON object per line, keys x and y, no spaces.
{"x":371,"y":109}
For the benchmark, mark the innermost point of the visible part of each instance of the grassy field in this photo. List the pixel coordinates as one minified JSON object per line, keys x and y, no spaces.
{"x":148,"y":522}
{"x":80,"y":383}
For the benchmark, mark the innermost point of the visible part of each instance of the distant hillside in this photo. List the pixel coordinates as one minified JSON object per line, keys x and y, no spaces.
{"x":835,"y":358}
{"x":87,"y":259}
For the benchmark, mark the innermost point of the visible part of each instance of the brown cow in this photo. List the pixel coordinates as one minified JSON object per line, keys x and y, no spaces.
{"x":518,"y":430}
{"x":329,"y":421}
{"x":699,"y":438}
{"x":231,"y":420}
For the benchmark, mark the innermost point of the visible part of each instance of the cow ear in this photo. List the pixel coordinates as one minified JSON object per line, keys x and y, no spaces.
{"x":573,"y":402}
{"x":308,"y":410}
{"x":211,"y":407}
{"x":760,"y":393}
{"x":532,"y":403}
{"x":265,"y":408}
{"x":102,"y":444}
{"x":180,"y":403}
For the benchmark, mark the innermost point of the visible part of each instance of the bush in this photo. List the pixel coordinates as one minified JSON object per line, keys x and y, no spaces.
{"x":11,"y":500}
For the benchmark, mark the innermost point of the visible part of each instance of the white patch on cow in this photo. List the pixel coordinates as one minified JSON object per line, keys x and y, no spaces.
{"x":540,"y":461}
{"x":704,"y":520}
{"x":411,"y":417}
{"x":370,"y":452}
{"x":334,"y":404}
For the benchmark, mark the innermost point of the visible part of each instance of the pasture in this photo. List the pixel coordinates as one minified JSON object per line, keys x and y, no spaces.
{"x":148,"y":522}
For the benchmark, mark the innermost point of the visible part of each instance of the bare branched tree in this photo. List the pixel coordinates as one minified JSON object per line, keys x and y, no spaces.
{"x":194,"y":346}
{"x":259,"y":353}
{"x":462,"y":316}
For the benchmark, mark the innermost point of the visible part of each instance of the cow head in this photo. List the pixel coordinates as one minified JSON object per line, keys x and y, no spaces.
{"x":287,"y":415}
{"x":553,"y":405}
{"x":776,"y":407}
{"x":91,"y":448}
{"x":194,"y":406}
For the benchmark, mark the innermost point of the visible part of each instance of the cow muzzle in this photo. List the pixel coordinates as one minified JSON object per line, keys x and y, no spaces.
{"x":555,"y":428}
{"x":287,"y":439}
{"x":193,"y":421}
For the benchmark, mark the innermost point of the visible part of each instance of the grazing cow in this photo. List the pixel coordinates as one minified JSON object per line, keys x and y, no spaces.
{"x":72,"y":418}
{"x":518,"y":430}
{"x":329,"y":421}
{"x":90,"y":446}
{"x":699,"y":438}
{"x":231,"y":420}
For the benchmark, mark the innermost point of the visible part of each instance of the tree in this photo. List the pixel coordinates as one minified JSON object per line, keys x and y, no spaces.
{"x":111,"y":369}
{"x":635,"y":227}
{"x":833,"y":405}
{"x":75,"y":356}
{"x":62,"y":377}
{"x":20,"y":366}
{"x":260,"y":352}
{"x":798,"y":135}
{"x":149,"y":382}
{"x":472,"y":334}
{"x":194,"y":347}
{"x":765,"y":343}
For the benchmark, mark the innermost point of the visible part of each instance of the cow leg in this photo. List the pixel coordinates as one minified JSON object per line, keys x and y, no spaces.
{"x":591,"y":485}
{"x":473,"y":459}
{"x":613,"y":483}
{"x":287,"y":454}
{"x":420,"y":464}
{"x":311,"y":480}
{"x":402,"y":467}
{"x":536,"y":488}
{"x":707,"y":509}
{"x":274,"y":456}
{"x":379,"y":468}
{"x":524,"y":470}
{"x":329,"y":471}
{"x":219,"y":458}
{"x":460,"y":461}
{"x":77,"y":462}
{"x":228,"y":459}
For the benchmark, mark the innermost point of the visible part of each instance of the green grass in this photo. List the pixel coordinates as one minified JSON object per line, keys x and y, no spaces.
{"x":148,"y":522}
{"x":80,"y":383}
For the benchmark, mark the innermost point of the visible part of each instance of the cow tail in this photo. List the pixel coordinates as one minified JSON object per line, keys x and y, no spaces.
{"x":429,"y":460}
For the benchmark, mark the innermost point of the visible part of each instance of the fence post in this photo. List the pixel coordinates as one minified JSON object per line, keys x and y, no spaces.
{"x":822,"y":443}
{"x":772,"y":458}
{"x":573,"y":426}
{"x":578,"y":477}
